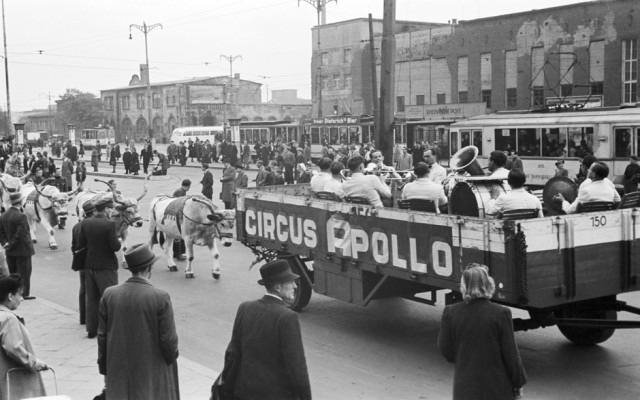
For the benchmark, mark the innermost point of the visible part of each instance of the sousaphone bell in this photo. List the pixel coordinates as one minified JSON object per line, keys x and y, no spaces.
{"x":465,"y":159}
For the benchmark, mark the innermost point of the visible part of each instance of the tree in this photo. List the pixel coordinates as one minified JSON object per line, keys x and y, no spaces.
{"x":82,"y":109}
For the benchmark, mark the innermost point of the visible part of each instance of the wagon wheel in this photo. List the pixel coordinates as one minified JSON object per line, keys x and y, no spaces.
{"x":303,"y":292}
{"x":588,"y":336}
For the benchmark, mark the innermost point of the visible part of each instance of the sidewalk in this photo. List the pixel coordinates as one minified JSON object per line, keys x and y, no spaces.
{"x":61,"y":342}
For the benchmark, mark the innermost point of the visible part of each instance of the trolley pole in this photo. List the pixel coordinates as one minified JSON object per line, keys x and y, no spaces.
{"x":319,"y":5}
{"x":146,"y":29}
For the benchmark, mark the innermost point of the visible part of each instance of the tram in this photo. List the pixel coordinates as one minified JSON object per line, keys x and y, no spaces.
{"x":91,"y":136}
{"x":541,"y":138}
{"x":336,"y":131}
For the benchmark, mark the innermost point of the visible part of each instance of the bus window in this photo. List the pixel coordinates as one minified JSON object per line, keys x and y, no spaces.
{"x":622,"y":137}
{"x":354,"y":134}
{"x":505,"y":139}
{"x":528,"y":143}
{"x":315,"y":135}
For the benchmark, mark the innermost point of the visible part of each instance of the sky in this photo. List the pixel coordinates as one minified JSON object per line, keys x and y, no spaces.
{"x":53,"y":45}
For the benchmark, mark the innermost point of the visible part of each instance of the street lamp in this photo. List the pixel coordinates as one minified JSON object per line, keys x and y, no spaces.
{"x":146,"y":29}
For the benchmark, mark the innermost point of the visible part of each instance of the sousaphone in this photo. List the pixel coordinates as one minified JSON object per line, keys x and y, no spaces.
{"x":465,"y":159}
{"x":553,"y":187}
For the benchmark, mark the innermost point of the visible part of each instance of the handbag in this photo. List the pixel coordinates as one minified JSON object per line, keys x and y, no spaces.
{"x":79,"y":257}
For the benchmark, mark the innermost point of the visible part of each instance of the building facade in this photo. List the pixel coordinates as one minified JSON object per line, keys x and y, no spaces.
{"x":586,"y":53}
{"x":192,"y":102}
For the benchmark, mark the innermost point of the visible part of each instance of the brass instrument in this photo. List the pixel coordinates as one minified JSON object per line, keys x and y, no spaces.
{"x":465,"y":159}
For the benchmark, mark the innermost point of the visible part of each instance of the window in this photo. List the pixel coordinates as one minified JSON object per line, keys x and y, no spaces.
{"x":528,"y":143}
{"x":538,"y":96}
{"x":623,"y":142}
{"x":400,"y":103}
{"x":140,"y":101}
{"x":325,"y":82}
{"x":463,"y":97}
{"x":629,"y":70}
{"x":596,"y":66}
{"x":125,"y":103}
{"x":348,"y":81}
{"x":512,"y":98}
{"x":171,"y":101}
{"x":566,"y":90}
{"x":336,"y":81}
{"x":346,"y":56}
{"x":505,"y":139}
{"x":324,"y":59}
{"x":420,"y":100}
{"x":108,"y":103}
{"x":157,"y":100}
{"x":486,"y":97}
{"x":468,"y":138}
{"x":441,"y":98}
{"x":554,"y":142}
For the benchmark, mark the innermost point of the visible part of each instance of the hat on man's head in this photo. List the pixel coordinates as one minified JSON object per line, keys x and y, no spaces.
{"x":205,"y":165}
{"x":16,"y":197}
{"x":89,"y":206}
{"x":277,"y":271}
{"x":239,"y":166}
{"x":139,"y":256}
{"x":559,"y":162}
{"x":226,"y":160}
{"x":635,"y":158}
{"x":104,"y":203}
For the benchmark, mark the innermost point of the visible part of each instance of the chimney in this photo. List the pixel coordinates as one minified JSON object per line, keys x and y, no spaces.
{"x":144,"y":73}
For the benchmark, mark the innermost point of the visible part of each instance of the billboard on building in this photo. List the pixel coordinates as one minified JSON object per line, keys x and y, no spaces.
{"x":205,"y":94}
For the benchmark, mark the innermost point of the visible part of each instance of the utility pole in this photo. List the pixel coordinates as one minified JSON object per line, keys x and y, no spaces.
{"x":231,"y":59}
{"x":319,"y":5}
{"x":146,"y":29}
{"x":374,"y":78}
{"x":384,"y":131}
{"x":6,"y":73}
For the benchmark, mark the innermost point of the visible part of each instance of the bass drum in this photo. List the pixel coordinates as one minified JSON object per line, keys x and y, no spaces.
{"x":470,"y":196}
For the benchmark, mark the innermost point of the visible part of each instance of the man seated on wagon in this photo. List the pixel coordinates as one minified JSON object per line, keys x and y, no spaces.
{"x":368,"y":186}
{"x":497,"y":162}
{"x":437,"y":173}
{"x":324,"y":176}
{"x":598,"y":190}
{"x":517,"y":199}
{"x":334,"y":185}
{"x":423,"y":188}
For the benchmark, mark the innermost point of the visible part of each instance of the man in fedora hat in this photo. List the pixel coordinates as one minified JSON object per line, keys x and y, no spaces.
{"x":15,"y":237}
{"x":98,"y":236}
{"x":265,"y":358}
{"x":137,"y":339}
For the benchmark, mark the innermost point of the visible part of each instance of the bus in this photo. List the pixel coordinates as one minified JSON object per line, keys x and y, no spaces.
{"x":336,"y":131}
{"x":90,"y":136}
{"x":203,"y":133}
{"x":541,"y":138}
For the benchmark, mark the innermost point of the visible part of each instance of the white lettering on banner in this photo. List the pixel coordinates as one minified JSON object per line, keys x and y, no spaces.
{"x":397,"y":261}
{"x":415,"y":264}
{"x":380,"y":247}
{"x":338,"y":237}
{"x":281,"y":227}
{"x":359,"y":242}
{"x":439,"y":248}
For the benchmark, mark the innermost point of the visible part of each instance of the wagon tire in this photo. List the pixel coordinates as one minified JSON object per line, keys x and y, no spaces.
{"x":588,"y":336}
{"x":302,"y":294}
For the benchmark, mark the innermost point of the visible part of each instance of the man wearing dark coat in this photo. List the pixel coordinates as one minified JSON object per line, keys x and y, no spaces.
{"x":232,"y":149}
{"x":207,"y":182}
{"x":631,"y":175}
{"x":126,"y":160}
{"x":135,"y":162}
{"x":266,"y":342}
{"x":16,"y":240}
{"x":98,"y":236}
{"x":147,"y":156}
{"x":228,"y":179}
{"x":137,"y":338}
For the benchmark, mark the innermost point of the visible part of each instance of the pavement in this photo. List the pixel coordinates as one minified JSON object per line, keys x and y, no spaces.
{"x":61,"y":342}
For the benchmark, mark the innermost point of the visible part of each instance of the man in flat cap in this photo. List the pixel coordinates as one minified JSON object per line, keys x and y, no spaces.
{"x":98,"y":236}
{"x":265,"y":358}
{"x":137,"y":339}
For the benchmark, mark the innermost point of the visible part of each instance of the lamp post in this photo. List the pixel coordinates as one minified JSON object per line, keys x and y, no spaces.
{"x":6,"y":70}
{"x":146,"y":29}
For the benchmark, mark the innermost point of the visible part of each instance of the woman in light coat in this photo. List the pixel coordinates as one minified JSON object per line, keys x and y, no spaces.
{"x":16,"y":350}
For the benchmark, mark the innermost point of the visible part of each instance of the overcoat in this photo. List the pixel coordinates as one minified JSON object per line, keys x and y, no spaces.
{"x":137,"y":342}
{"x":477,"y":336}
{"x":207,"y":184}
{"x":267,"y":342}
{"x":126,"y":159}
{"x":17,"y":352}
{"x":14,"y":229}
{"x":228,"y":178}
{"x":98,"y":236}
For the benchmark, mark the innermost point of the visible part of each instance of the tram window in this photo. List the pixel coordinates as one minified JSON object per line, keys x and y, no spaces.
{"x":354,"y":134}
{"x":325,"y":136}
{"x":528,"y":142}
{"x":242,"y":135}
{"x":315,"y":135}
{"x":580,"y":141}
{"x":333,"y":135}
{"x":554,"y":142}
{"x":454,"y":142}
{"x":623,"y":142}
{"x":263,"y":136}
{"x":505,"y":139}
{"x":344,"y":135}
{"x":367,"y":134}
{"x":256,"y":135}
{"x":465,"y":138}
{"x":477,"y":141}
{"x":304,"y":138}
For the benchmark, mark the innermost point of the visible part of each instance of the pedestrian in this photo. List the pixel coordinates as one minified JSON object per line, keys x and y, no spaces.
{"x":117,"y":148}
{"x":126,"y":160}
{"x":66,"y":171}
{"x":147,"y":156}
{"x":137,"y":338}
{"x":94,"y":159}
{"x":113,"y":158}
{"x":163,"y":164}
{"x":241,"y":182}
{"x":477,"y":336}
{"x":80,"y":151}
{"x":135,"y":162}
{"x":266,"y":348}
{"x":561,"y":170}
{"x":207,"y":182}
{"x":16,"y":240}
{"x":261,"y":173}
{"x":246,"y":155}
{"x":16,"y":350}
{"x":179,"y":246}
{"x":631,"y":175}
{"x":98,"y":236}
{"x":228,"y":183}
{"x":81,"y":173}
{"x":304,"y":175}
{"x":79,"y":257}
